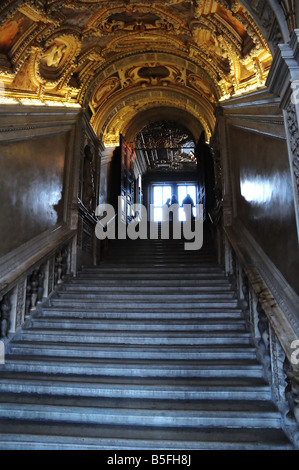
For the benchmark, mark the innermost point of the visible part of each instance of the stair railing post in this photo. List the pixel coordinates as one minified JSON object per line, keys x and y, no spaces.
{"x":41,"y":280}
{"x":5,"y":310}
{"x":34,"y":282}
{"x":59,"y":268}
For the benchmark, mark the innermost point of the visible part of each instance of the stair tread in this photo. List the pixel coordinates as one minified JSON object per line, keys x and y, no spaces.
{"x":149,"y":350}
{"x":129,"y":363}
{"x":184,"y":382}
{"x":146,"y":409}
{"x":162,"y":347}
{"x":148,"y":405}
{"x":142,"y":333}
{"x":145,"y":322}
{"x":112,"y":437}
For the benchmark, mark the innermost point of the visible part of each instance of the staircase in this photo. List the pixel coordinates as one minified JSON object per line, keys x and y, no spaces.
{"x":148,"y":351}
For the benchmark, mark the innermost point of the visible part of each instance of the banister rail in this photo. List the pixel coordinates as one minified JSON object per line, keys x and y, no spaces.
{"x":274,"y":330}
{"x":33,"y":277}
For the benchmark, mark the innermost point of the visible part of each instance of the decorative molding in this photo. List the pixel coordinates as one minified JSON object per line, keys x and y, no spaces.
{"x":67,"y":49}
{"x":289,"y":9}
{"x":21,"y":298}
{"x":293,"y":139}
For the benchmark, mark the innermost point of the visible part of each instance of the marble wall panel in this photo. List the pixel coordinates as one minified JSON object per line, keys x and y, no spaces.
{"x":264,"y":197}
{"x":31,"y":182}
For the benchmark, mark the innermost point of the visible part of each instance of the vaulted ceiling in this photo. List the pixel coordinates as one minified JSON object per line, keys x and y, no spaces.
{"x":130,"y":62}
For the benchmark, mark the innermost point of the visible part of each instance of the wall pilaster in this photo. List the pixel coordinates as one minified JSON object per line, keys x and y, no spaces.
{"x":220,"y":142}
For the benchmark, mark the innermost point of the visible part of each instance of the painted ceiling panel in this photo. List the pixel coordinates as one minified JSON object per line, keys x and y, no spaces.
{"x":103,"y":55}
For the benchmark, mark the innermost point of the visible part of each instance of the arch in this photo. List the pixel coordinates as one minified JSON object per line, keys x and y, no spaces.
{"x":123,"y":106}
{"x":181,"y":117}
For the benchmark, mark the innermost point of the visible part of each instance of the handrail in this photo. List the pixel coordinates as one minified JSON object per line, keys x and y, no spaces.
{"x":274,"y":329}
{"x":16,"y":270}
{"x":34,"y":279}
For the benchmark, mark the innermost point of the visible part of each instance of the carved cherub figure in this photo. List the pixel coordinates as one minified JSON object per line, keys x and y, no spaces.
{"x":53,"y":56}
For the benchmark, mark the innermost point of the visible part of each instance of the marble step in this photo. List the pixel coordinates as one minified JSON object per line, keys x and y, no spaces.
{"x":136,"y":388}
{"x":212,"y":351}
{"x":150,"y":283}
{"x":53,"y":436}
{"x":144,"y":289}
{"x":136,"y":312}
{"x":135,"y":368}
{"x":137,"y":295}
{"x":136,"y":338}
{"x":170,"y":258}
{"x":167,"y":326}
{"x":138,"y":304}
{"x":152,"y":276}
{"x":203,"y":414}
{"x":183,"y":270}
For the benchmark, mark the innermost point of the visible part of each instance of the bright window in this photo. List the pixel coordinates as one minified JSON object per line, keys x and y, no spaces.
{"x":160,"y":195}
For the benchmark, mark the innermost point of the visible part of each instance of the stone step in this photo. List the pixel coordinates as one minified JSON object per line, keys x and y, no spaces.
{"x":121,"y":276}
{"x":177,"y":251}
{"x":135,"y":368}
{"x":96,"y":413}
{"x":171,"y":258}
{"x":152,"y":283}
{"x":135,"y":295}
{"x":52,"y":436}
{"x":138,"y":304}
{"x":184,"y":270}
{"x":147,"y":351}
{"x":144,"y":312}
{"x":142,"y":289}
{"x":136,"y":388}
{"x":212,"y":351}
{"x":135,"y":338}
{"x":168,"y":325}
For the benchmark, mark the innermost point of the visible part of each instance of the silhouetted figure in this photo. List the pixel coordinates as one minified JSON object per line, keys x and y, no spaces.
{"x":188,"y":205}
{"x":174,"y":200}
{"x":165,"y":209}
{"x":174,"y":215}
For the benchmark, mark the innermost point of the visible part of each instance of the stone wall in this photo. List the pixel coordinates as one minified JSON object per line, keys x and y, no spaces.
{"x":258,"y":199}
{"x":264,"y":200}
{"x":31,"y":180}
{"x":38,"y":160}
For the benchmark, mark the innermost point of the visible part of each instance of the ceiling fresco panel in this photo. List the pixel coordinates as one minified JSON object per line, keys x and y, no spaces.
{"x":191,"y":54}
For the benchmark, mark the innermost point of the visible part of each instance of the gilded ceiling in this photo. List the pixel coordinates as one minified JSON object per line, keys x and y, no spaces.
{"x":121,"y":59}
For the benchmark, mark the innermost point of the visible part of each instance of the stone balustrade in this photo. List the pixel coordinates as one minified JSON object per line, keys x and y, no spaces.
{"x":33,"y":286}
{"x":273,"y":336}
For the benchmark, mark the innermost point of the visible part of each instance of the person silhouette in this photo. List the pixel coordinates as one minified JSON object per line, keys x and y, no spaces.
{"x":175,"y":208}
{"x":165,"y":209}
{"x":188,"y":205}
